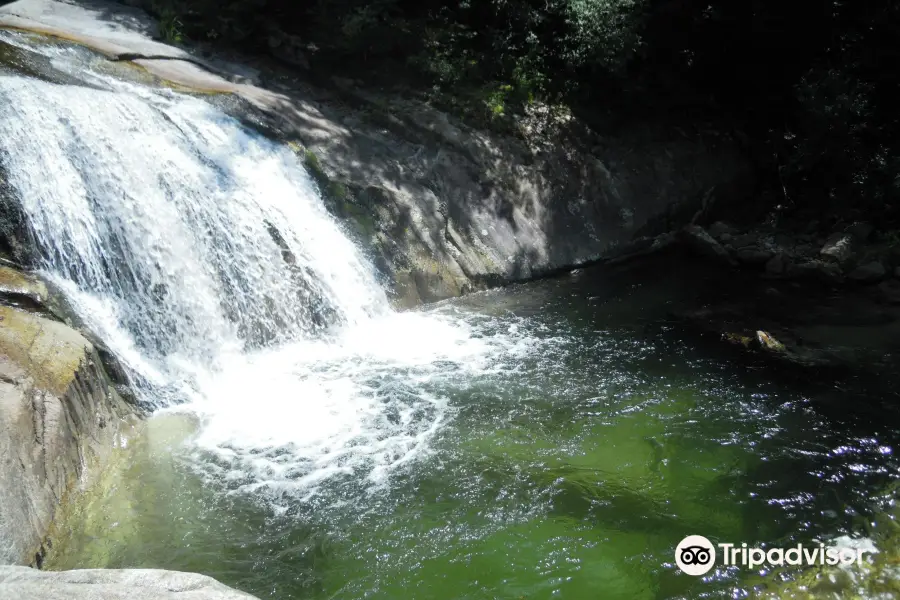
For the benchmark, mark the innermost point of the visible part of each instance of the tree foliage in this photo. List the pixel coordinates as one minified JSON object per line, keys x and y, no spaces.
{"x":815,"y":82}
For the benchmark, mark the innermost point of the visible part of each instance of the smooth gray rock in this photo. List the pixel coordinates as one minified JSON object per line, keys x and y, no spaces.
{"x":868,"y":272}
{"x":60,"y":417}
{"x":22,"y":583}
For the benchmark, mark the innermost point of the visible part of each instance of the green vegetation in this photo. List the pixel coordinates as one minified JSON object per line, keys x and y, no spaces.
{"x":337,"y":195}
{"x":170,"y":25}
{"x":312,"y":161}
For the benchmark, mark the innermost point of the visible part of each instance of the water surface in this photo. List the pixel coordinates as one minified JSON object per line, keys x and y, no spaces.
{"x":554,"y":439}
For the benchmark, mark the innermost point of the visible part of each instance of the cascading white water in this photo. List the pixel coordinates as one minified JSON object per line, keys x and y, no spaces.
{"x":195,"y":234}
{"x":203,"y":256}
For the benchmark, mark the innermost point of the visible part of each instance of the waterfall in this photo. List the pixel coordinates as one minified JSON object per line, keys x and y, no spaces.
{"x":179,"y":225}
{"x":200,"y":252}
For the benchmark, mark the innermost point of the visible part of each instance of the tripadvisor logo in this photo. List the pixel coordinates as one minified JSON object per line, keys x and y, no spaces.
{"x":696,"y":555}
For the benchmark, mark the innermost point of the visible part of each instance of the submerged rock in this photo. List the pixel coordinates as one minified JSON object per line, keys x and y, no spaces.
{"x":22,"y":583}
{"x":736,"y":338}
{"x":768,"y":342}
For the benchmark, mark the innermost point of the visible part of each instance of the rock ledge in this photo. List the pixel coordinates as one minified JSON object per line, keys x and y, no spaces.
{"x":23,"y":583}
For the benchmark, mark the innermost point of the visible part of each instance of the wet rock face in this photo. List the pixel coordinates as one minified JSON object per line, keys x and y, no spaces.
{"x":112,"y":584}
{"x":16,"y":243}
{"x":60,"y":417}
{"x":460,"y":209}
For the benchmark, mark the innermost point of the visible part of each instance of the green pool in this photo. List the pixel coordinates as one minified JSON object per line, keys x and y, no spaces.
{"x":592,"y":435}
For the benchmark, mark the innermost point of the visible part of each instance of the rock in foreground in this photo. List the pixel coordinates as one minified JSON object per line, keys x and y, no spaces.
{"x":23,"y":583}
{"x":60,"y":417}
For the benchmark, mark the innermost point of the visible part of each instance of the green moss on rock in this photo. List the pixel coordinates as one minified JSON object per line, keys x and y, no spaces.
{"x":315,"y":167}
{"x":16,"y":282}
{"x":51,"y":352}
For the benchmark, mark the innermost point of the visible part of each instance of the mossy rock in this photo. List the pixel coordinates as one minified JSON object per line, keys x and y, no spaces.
{"x":338,"y":191}
{"x":51,"y":352}
{"x":738,"y":339}
{"x":315,"y":167}
{"x":15,"y":283}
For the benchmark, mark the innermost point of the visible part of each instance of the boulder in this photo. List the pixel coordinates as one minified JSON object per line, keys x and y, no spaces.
{"x":22,"y":583}
{"x":839,"y":247}
{"x":60,"y":418}
{"x":768,"y":342}
{"x":702,"y":243}
{"x":868,"y":272}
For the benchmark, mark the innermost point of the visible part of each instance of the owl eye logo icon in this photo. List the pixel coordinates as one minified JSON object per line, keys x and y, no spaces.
{"x":695,"y":555}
